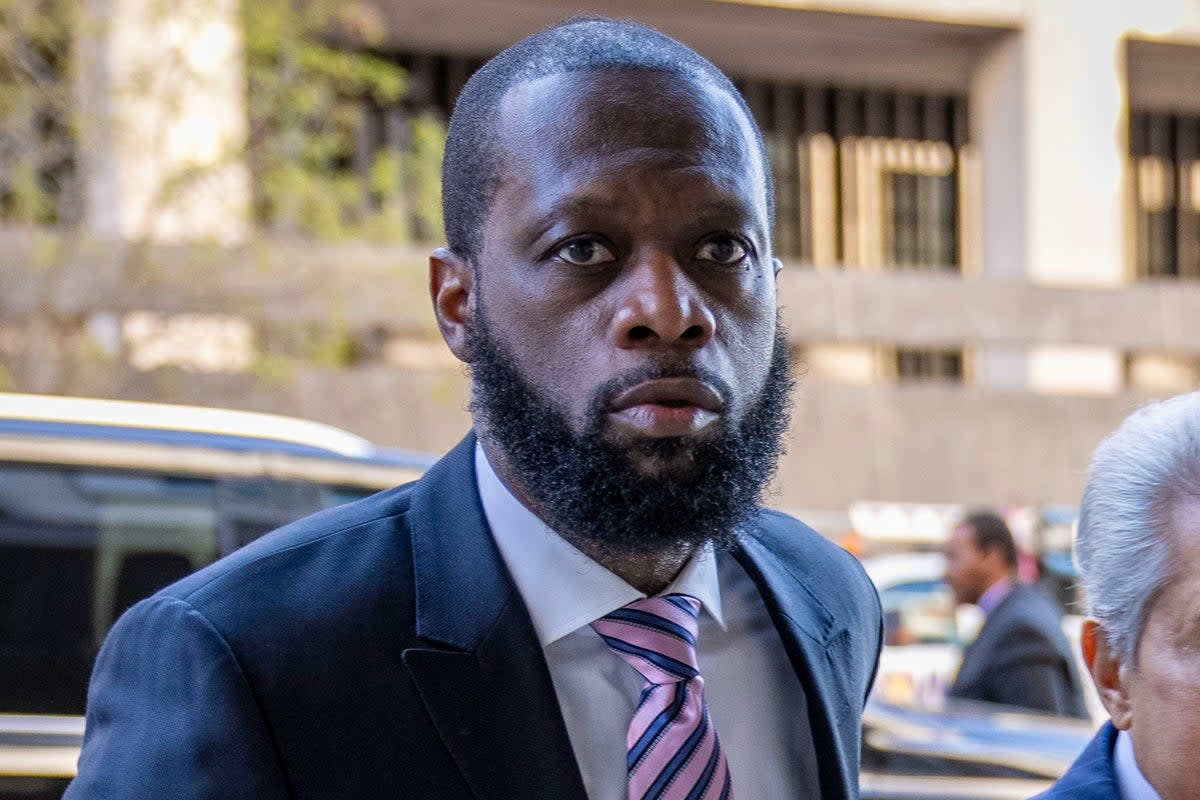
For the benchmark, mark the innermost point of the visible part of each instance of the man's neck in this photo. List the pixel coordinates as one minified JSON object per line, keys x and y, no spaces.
{"x":646,"y":572}
{"x":995,"y":593}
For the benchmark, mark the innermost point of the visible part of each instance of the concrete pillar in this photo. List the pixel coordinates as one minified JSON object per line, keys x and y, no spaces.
{"x":1049,"y":121}
{"x":998,"y":132}
{"x":997,"y":103}
{"x":163,"y":122}
{"x":1076,"y":129}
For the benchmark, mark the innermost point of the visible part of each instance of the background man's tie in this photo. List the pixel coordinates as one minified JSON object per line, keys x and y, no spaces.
{"x":672,"y":749}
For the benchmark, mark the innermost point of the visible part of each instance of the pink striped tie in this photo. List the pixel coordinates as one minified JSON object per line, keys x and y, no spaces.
{"x":672,"y":749}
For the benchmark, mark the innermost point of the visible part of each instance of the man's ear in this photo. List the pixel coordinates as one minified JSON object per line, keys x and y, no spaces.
{"x":452,"y":288}
{"x":1108,"y":673}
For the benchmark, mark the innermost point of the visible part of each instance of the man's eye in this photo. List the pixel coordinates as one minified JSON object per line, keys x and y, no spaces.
{"x":585,"y":253}
{"x":722,"y":250}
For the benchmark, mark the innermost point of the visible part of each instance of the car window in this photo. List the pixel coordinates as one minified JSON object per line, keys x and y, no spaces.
{"x":918,"y":612}
{"x":79,"y":546}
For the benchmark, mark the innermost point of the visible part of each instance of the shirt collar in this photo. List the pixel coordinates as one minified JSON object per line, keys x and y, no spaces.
{"x":995,"y":595}
{"x":1133,"y":783}
{"x":564,"y":589}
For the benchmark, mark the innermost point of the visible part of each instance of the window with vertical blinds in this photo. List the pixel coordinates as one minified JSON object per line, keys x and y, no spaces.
{"x":1165,"y":168}
{"x":929,"y":365}
{"x":398,"y":154}
{"x":865,"y":178}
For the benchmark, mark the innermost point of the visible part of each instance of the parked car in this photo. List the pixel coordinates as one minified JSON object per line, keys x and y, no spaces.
{"x":922,"y":627}
{"x":964,"y":751}
{"x":103,"y":503}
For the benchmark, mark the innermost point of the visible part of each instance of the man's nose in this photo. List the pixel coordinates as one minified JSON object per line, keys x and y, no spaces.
{"x":661,"y":305}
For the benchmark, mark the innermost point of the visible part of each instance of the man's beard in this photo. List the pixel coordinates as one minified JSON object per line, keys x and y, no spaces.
{"x":587,"y":486}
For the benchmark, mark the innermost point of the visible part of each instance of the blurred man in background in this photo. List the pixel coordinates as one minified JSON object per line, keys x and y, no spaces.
{"x":1021,"y":656}
{"x":1138,"y":549}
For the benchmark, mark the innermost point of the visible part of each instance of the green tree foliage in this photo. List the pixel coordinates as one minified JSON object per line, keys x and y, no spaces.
{"x":37,"y":178}
{"x":311,"y":76}
{"x":307,"y":100}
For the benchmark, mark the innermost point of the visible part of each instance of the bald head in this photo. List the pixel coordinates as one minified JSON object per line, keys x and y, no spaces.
{"x":471,"y":167}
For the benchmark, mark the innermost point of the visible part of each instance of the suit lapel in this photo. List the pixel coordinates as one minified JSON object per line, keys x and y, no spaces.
{"x":969,"y":666}
{"x":817,"y":651}
{"x":483,"y":679}
{"x":978,"y":653}
{"x":1092,"y":776}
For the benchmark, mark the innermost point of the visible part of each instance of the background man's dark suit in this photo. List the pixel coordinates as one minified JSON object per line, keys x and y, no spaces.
{"x":1022,"y":658}
{"x":381,"y":650}
{"x":1092,"y":776}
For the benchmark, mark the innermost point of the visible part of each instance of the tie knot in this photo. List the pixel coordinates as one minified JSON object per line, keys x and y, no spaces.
{"x":656,"y":636}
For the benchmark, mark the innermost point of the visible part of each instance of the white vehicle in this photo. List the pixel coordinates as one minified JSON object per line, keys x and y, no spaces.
{"x":104,"y":502}
{"x":922,"y":648}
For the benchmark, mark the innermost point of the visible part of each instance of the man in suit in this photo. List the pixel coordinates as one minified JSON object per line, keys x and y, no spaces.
{"x":1138,"y":551}
{"x":583,"y":593}
{"x":1021,"y":657}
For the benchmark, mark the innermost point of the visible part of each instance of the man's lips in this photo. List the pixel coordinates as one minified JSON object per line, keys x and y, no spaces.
{"x":666,"y":407}
{"x":670,"y":392}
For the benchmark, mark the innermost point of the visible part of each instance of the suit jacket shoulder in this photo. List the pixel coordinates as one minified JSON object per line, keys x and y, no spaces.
{"x":828,"y":615}
{"x":311,"y":552}
{"x":283,"y":670}
{"x":1027,"y":606}
{"x":1092,"y":776}
{"x":1021,"y":657}
{"x":835,"y":583}
{"x":1025,"y":627}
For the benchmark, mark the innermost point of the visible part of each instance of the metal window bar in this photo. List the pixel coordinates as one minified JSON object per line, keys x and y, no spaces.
{"x":929,"y":365}
{"x":1165,"y":169}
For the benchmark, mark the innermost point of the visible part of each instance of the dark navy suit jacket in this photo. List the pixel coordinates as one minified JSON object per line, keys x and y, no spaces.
{"x":1021,"y":658}
{"x":1092,"y":776}
{"x":380,"y":650}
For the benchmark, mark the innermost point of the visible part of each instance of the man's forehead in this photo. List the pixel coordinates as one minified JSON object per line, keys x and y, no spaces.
{"x":1183,"y":525}
{"x":625,"y":119}
{"x":613,"y":83}
{"x":612,"y":110}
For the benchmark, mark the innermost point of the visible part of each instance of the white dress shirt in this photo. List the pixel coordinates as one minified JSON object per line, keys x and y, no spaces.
{"x":756,"y":701}
{"x":1132,"y":782}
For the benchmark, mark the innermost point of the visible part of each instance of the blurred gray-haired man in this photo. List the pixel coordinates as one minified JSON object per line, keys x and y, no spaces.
{"x":1138,"y":550}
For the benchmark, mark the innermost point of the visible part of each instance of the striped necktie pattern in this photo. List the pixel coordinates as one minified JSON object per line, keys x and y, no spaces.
{"x":673,"y":752}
